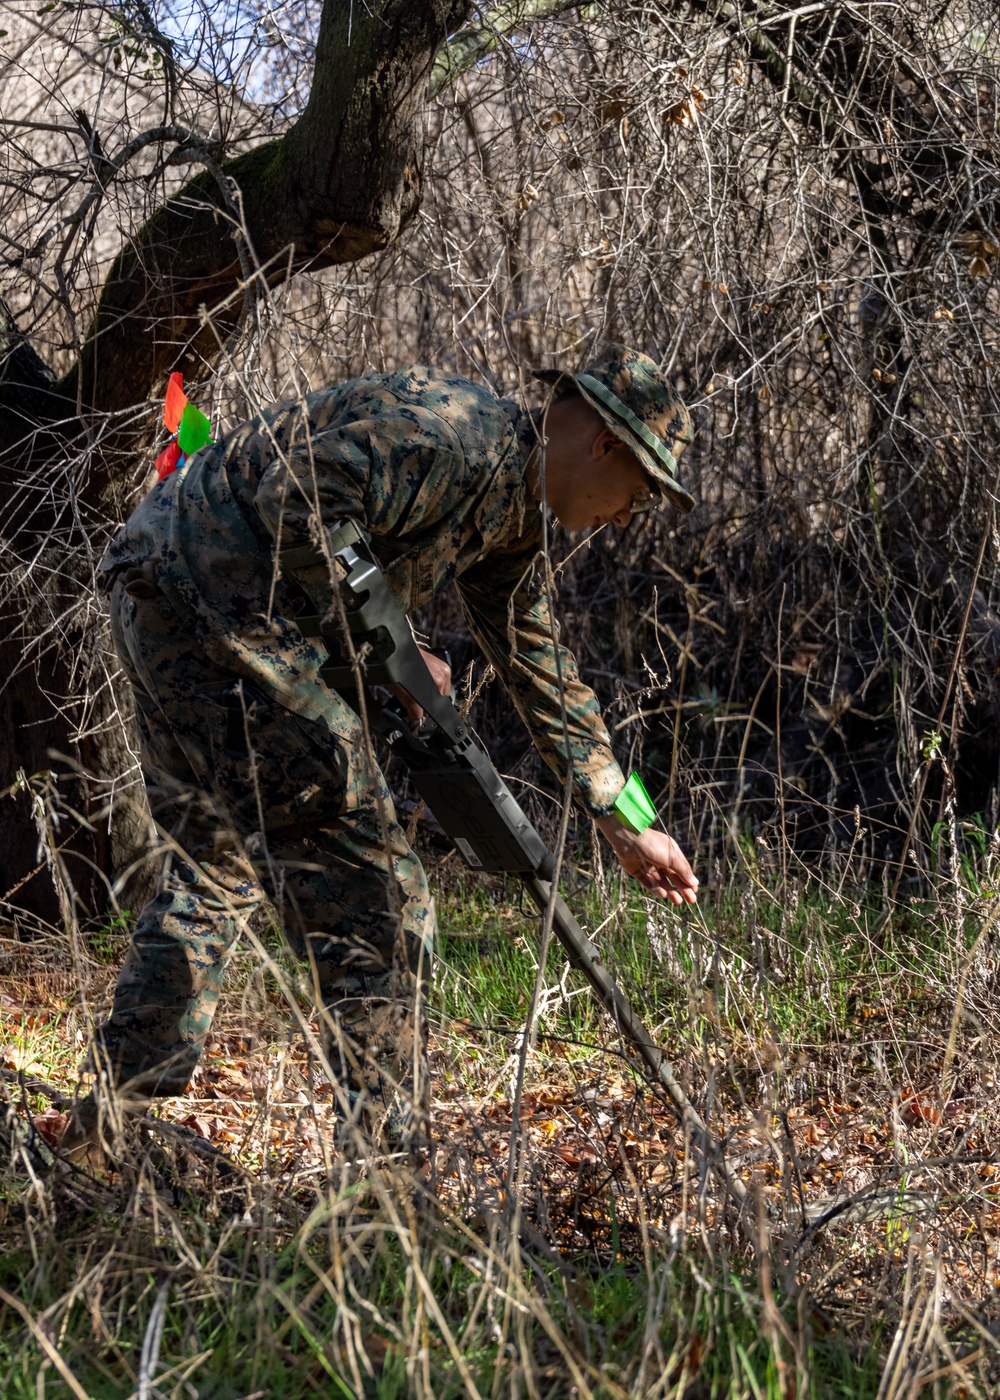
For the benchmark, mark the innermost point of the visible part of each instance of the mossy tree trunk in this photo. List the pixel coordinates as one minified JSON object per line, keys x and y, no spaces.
{"x":339,"y":185}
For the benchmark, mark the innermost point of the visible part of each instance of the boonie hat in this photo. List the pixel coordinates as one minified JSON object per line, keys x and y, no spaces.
{"x":640,"y":405}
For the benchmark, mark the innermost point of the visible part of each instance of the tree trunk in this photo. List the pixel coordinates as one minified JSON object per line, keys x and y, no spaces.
{"x":340,"y":185}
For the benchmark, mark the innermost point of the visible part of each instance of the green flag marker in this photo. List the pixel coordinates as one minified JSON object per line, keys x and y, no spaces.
{"x":194,"y":430}
{"x":635,"y":804}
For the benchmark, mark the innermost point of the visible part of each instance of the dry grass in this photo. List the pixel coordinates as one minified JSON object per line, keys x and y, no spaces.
{"x":846,"y":1060}
{"x":816,"y":652}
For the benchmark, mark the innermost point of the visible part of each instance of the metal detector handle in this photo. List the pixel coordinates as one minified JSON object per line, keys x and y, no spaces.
{"x":450,"y":770}
{"x":373,"y":617}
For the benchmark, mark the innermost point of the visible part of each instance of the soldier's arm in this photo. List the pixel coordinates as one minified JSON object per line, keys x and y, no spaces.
{"x":509,"y":613}
{"x":390,"y":471}
{"x":320,"y":479}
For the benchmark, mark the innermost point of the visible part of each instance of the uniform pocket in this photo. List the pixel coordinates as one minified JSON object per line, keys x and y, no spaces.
{"x":270,"y":769}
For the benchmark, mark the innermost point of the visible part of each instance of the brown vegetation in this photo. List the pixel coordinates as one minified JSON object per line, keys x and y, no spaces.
{"x":795,"y":210}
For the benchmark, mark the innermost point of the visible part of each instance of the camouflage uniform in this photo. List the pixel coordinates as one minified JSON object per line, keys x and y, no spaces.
{"x":258,"y":773}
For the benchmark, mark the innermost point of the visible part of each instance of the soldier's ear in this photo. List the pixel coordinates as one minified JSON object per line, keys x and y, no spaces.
{"x":606,"y":441}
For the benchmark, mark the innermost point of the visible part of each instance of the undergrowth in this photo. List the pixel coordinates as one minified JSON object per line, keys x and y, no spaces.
{"x":841,"y":1051}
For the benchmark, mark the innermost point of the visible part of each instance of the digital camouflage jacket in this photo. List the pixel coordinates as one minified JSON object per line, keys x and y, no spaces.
{"x":432,"y":466}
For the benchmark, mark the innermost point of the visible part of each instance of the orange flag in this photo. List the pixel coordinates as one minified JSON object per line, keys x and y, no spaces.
{"x":175,"y":402}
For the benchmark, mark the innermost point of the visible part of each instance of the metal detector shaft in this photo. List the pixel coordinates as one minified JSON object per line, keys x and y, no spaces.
{"x":454,"y":775}
{"x":583,"y":955}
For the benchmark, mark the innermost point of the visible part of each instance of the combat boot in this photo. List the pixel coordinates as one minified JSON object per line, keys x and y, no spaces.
{"x":380,"y":1068}
{"x":93,"y":1126}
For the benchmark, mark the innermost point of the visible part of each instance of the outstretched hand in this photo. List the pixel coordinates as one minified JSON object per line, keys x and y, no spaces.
{"x":653,"y":858}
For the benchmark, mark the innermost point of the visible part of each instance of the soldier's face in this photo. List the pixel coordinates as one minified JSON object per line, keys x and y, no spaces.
{"x":591,"y":477}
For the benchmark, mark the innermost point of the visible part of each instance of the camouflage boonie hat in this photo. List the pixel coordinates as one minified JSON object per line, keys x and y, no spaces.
{"x":640,"y":405}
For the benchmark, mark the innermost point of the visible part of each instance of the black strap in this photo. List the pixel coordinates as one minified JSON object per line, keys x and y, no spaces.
{"x":311,"y":556}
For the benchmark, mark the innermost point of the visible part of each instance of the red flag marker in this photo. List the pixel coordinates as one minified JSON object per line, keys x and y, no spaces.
{"x":175,"y":402}
{"x":168,"y":459}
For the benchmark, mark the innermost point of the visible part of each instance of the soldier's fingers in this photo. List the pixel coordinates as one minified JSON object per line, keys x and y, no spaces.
{"x":683,"y":885}
{"x":658,"y":882}
{"x":680,"y":868}
{"x":411,"y":709}
{"x":440,"y":671}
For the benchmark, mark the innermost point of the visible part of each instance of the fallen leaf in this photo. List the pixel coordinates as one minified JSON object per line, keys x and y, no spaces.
{"x":919,"y":1109}
{"x":197,"y":1124}
{"x":16,"y":1057}
{"x":51,"y":1124}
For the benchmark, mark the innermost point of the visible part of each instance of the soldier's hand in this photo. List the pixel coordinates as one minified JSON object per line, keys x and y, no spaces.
{"x":441,"y":675}
{"x":653,"y":858}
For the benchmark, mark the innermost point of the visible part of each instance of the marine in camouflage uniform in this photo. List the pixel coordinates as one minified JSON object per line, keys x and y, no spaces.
{"x":259,"y":776}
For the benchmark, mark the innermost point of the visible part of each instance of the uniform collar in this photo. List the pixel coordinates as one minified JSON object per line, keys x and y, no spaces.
{"x":527,"y":424}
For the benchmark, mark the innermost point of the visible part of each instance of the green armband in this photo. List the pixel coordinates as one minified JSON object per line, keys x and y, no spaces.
{"x":634,"y":804}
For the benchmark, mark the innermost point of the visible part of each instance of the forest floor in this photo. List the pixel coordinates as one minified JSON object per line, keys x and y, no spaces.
{"x":846,"y":1057}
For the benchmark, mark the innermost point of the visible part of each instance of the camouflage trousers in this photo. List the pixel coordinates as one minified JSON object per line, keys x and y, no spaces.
{"x":251,"y":801}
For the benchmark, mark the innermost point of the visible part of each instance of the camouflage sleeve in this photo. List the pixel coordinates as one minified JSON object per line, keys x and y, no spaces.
{"x":391,"y":472}
{"x":509,"y":612}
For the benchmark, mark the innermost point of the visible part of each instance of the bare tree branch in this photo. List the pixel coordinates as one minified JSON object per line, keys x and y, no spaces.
{"x":477,"y":41}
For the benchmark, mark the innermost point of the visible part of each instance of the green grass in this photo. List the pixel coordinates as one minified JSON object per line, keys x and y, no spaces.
{"x":612,"y":1280}
{"x":246,"y":1317}
{"x":812,"y":968}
